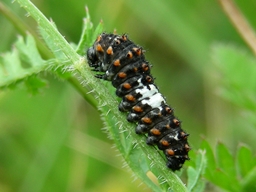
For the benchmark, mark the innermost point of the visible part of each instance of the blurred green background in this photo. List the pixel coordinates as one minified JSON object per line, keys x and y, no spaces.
{"x":53,"y":141}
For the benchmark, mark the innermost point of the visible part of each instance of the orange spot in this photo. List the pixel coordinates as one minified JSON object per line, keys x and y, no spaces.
{"x":99,"y":48}
{"x":129,"y":55}
{"x":135,"y":69}
{"x":137,"y":109}
{"x":137,"y":50}
{"x":168,"y":110}
{"x":184,"y":135}
{"x":117,"y":63}
{"x":124,"y":37}
{"x":110,"y":50}
{"x":155,"y":131}
{"x":170,"y":152}
{"x":122,"y":75}
{"x":130,"y":97}
{"x":164,"y":143}
{"x":127,"y":86}
{"x":145,"y":67}
{"x":167,"y":126}
{"x":98,"y":38}
{"x":187,"y":148}
{"x":146,"y":120}
{"x":176,"y":122}
{"x":149,"y":79}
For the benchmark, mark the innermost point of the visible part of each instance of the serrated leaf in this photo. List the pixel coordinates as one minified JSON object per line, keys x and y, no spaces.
{"x":194,"y":175}
{"x":225,"y":160}
{"x":28,"y":51}
{"x":118,"y":126}
{"x":224,"y":181}
{"x":215,"y":174}
{"x":63,"y":51}
{"x":226,"y":168}
{"x":211,"y":164}
{"x":245,"y":160}
{"x":22,"y":62}
{"x":34,"y":83}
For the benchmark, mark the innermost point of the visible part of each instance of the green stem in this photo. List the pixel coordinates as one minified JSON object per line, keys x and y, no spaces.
{"x":49,"y":28}
{"x":121,"y":130}
{"x":23,"y":28}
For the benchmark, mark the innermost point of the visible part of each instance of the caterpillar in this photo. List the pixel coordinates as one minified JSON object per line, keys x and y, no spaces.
{"x":117,"y":59}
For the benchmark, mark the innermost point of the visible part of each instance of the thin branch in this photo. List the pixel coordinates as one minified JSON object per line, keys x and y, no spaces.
{"x":240,"y":23}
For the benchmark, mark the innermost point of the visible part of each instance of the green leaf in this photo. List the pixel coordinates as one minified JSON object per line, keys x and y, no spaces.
{"x":245,"y":160}
{"x":236,"y":74}
{"x":28,"y":52}
{"x":211,"y":164}
{"x":133,"y":147}
{"x":224,"y":181}
{"x":220,"y":172}
{"x":226,"y":168}
{"x":200,"y":186}
{"x":195,"y":182}
{"x":246,"y":163}
{"x":123,"y":134}
{"x":21,"y":63}
{"x":225,"y":160}
{"x":34,"y":83}
{"x":249,"y":182}
{"x":88,"y":34}
{"x":192,"y":177}
{"x":55,"y":41}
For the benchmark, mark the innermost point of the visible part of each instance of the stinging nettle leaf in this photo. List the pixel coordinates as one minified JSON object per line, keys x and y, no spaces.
{"x":23,"y":61}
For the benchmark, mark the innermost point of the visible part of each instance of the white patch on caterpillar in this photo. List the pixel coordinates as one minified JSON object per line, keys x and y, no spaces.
{"x":176,"y":137}
{"x":147,"y":91}
{"x":154,"y":101}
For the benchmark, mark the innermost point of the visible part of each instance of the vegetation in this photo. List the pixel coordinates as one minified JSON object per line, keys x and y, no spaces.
{"x":50,"y":127}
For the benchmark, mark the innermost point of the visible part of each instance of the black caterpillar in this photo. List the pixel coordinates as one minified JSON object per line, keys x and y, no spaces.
{"x":124,"y":63}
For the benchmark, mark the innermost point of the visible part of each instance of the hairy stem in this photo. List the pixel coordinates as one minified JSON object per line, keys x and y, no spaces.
{"x":23,"y":28}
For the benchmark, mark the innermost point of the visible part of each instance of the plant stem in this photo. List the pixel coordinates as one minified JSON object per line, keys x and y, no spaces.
{"x":240,"y":23}
{"x":129,"y":144}
{"x":23,"y":28}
